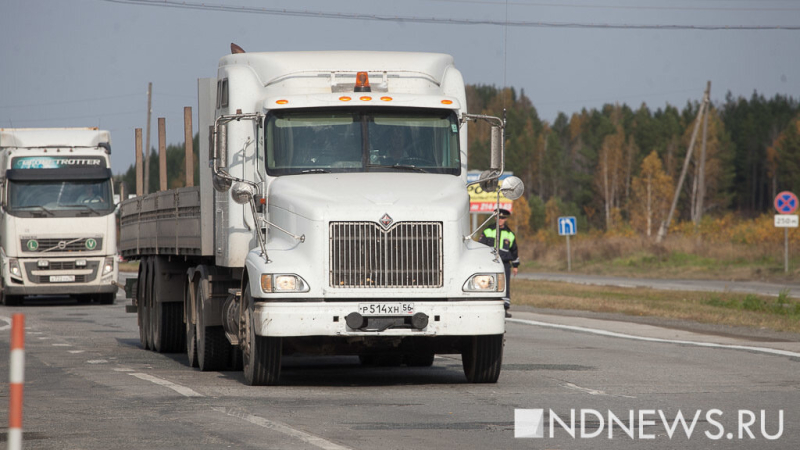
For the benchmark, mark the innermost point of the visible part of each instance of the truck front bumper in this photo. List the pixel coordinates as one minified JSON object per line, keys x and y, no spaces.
{"x":444,"y":318}
{"x":61,"y":276}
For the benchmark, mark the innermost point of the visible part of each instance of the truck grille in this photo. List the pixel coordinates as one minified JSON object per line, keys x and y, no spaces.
{"x":32,"y":245}
{"x":364,"y":255}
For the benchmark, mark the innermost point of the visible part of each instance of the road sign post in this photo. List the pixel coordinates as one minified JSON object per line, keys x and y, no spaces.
{"x":567,"y":226}
{"x":786,"y":203}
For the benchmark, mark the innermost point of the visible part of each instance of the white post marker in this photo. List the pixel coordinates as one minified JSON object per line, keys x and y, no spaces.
{"x":567,"y":226}
{"x":16,"y":380}
{"x":786,"y":203}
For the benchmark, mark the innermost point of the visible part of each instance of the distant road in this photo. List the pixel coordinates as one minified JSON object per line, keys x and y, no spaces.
{"x":747,"y":287}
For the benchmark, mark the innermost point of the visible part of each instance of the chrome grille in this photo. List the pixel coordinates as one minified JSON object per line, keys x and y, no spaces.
{"x":61,"y":245}
{"x":364,"y":255}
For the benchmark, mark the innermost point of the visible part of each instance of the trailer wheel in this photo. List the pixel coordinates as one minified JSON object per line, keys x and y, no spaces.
{"x":142,"y":299}
{"x":213,"y":348}
{"x":168,"y":333}
{"x":261,"y":354}
{"x":482,"y":357}
{"x":191,"y":335}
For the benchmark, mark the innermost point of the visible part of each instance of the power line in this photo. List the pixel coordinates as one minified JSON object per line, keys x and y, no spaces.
{"x":66,"y":102}
{"x":177,"y":4}
{"x":635,"y":7}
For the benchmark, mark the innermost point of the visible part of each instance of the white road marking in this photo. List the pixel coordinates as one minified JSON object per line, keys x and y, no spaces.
{"x":62,"y":345}
{"x":183,"y":390}
{"x":772,"y":351}
{"x":7,"y":324}
{"x":97,"y":361}
{"x":76,"y":351}
{"x":316,"y":441}
{"x":123,"y":370}
{"x":593,"y":391}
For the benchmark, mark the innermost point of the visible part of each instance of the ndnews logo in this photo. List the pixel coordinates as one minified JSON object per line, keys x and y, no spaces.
{"x":646,"y":424}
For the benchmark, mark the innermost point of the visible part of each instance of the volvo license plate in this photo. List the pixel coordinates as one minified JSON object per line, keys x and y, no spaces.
{"x":385,"y":309}
{"x":62,"y":278}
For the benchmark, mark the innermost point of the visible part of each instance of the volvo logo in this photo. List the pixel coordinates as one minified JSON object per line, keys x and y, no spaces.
{"x":386,"y":221}
{"x":62,"y":245}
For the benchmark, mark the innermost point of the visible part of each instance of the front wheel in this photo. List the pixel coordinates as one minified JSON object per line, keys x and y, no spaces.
{"x":482,"y":357}
{"x":261,"y":354}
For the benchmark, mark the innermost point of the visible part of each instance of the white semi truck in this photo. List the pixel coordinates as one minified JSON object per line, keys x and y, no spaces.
{"x":332,"y":217}
{"x":58,"y":230}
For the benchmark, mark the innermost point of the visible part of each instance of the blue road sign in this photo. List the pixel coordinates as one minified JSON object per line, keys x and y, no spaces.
{"x":567,"y":226}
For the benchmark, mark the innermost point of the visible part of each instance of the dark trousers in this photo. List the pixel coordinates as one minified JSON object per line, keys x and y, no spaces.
{"x":507,"y":300}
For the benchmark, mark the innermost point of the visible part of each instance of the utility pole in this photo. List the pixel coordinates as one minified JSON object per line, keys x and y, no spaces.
{"x":701,"y":183}
{"x":147,"y":142}
{"x":662,"y":232}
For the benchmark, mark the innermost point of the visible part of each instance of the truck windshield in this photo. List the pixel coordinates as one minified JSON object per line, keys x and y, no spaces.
{"x":359,"y":140}
{"x":53,"y":198}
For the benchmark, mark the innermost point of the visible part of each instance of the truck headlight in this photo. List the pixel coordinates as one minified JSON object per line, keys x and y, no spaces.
{"x":108,"y":265}
{"x":486,"y":282}
{"x":13,"y":268}
{"x":271,"y":283}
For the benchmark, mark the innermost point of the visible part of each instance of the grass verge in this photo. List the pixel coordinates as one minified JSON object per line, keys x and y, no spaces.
{"x":725,"y":308}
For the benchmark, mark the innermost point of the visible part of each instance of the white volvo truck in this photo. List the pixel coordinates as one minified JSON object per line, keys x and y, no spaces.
{"x":332,"y":217}
{"x":58,"y":231}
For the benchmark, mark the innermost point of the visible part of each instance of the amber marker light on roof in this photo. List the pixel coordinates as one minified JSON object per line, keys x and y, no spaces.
{"x":362,"y":82}
{"x":365,"y":98}
{"x":387,"y":99}
{"x":282,"y":102}
{"x":447,"y":102}
{"x":345,"y":98}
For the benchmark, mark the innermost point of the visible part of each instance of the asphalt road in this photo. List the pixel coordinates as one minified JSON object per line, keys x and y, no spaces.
{"x":90,"y":386}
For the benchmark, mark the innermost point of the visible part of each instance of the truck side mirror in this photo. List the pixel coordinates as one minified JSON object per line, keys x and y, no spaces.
{"x":489,"y":185}
{"x":512,"y":188}
{"x":222,"y":146}
{"x":497,"y":148}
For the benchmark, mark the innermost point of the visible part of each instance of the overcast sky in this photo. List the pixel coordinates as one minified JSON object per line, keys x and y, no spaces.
{"x":67,"y":63}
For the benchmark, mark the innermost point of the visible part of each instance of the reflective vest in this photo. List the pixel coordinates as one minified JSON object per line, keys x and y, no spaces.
{"x":506,"y":237}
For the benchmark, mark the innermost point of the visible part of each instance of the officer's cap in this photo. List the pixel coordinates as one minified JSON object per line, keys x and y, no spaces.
{"x":504,"y":213}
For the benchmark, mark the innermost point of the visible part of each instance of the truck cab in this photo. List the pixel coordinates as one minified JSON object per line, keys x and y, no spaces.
{"x":57,"y":222}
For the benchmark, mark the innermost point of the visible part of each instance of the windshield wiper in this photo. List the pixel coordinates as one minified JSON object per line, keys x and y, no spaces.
{"x":316,"y":171}
{"x":398,"y":166}
{"x":85,"y":206}
{"x":37,"y":206}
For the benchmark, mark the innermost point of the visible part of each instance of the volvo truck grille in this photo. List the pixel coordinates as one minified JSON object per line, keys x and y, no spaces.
{"x":364,"y":255}
{"x":33,"y":245}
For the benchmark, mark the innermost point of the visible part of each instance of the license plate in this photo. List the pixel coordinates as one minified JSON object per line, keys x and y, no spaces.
{"x":385,"y":309}
{"x":62,"y":278}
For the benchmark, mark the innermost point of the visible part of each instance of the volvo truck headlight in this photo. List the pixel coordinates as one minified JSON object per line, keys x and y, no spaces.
{"x":108,"y":265}
{"x":271,"y":283}
{"x":13,"y":268}
{"x":486,"y":282}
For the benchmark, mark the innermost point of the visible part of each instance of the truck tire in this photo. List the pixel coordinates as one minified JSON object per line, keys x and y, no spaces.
{"x":191,"y":334}
{"x":143,"y":310}
{"x":168,"y":332}
{"x":213,"y":348}
{"x":482,"y":357}
{"x":261,"y":354}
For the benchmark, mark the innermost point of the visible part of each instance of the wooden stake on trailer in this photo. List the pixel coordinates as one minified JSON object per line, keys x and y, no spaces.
{"x":162,"y":153}
{"x":188,"y":145}
{"x":147,"y":148}
{"x":138,"y":150}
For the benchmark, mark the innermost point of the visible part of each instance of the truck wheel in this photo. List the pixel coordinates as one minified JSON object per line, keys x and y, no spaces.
{"x":482,"y":357}
{"x":106,"y":299}
{"x":142,"y":298}
{"x":168,"y":333}
{"x":213,"y":348}
{"x":261,"y":354}
{"x":419,"y":359}
{"x":12,"y":300}
{"x":191,"y":335}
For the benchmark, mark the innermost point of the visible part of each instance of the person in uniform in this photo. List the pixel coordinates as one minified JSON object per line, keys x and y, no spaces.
{"x":508,"y":250}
